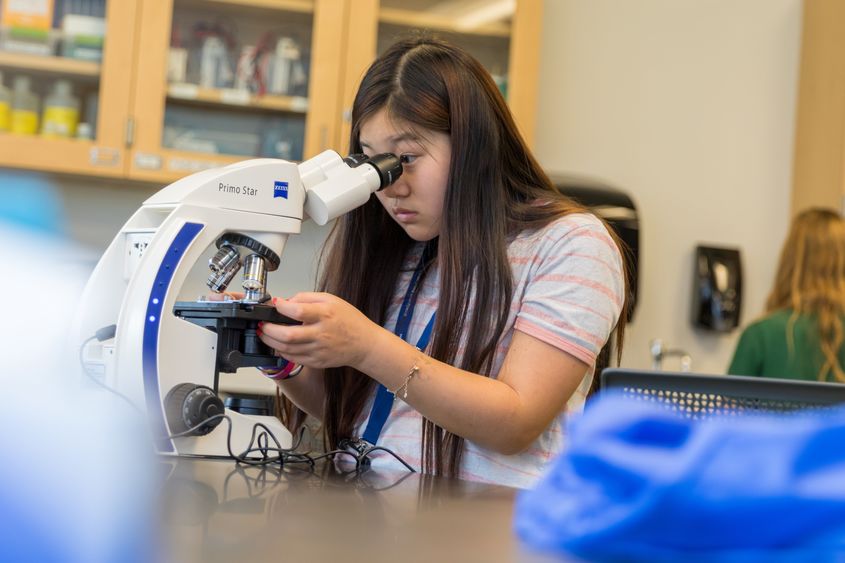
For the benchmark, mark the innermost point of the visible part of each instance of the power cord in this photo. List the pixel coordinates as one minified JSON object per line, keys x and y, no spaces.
{"x":258,"y":442}
{"x":364,"y":449}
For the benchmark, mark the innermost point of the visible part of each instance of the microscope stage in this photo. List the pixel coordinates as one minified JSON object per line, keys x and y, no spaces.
{"x":246,"y":311}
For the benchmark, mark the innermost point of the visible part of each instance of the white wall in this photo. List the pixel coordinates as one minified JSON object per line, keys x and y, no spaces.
{"x":689,"y":106}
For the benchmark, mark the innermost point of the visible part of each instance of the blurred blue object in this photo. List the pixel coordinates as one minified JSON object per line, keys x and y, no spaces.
{"x":29,"y":201}
{"x":78,"y":480}
{"x":640,"y":483}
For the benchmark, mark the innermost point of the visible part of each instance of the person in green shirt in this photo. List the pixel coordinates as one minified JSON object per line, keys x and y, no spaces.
{"x":802,"y":333}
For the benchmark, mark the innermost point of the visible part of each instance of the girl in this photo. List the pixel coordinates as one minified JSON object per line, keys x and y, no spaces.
{"x":802,"y":334}
{"x":470,"y":289}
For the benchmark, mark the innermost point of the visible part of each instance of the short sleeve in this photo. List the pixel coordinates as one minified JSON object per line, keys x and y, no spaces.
{"x":575,"y":290}
{"x":748,"y":356}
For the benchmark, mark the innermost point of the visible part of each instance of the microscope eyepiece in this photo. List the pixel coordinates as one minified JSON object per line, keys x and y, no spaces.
{"x":388,"y":166}
{"x":356,"y":159}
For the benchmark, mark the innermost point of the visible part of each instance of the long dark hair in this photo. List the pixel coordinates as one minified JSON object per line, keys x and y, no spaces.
{"x":495,"y":189}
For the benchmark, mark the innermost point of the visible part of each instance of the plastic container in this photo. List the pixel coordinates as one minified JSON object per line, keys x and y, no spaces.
{"x":84,"y":131}
{"x":24,"y":116}
{"x":83,"y":37}
{"x":5,"y":106}
{"x":61,"y":111}
{"x":26,"y":40}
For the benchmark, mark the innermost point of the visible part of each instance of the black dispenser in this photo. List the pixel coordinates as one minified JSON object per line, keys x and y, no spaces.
{"x":717,"y":288}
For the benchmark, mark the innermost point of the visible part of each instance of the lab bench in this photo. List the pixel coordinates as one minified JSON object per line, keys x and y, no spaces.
{"x":218,"y":510}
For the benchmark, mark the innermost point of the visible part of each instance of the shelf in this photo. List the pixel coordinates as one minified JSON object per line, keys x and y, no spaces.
{"x":72,"y":156}
{"x":301,"y":6}
{"x":168,"y":165}
{"x":410,"y":18}
{"x":56,"y":65}
{"x":239,"y":98}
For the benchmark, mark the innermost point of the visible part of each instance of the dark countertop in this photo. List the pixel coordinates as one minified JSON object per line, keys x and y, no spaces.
{"x":221,"y":511}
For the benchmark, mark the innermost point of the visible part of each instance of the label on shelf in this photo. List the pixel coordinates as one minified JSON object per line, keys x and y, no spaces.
{"x":190,"y":165}
{"x":147,"y":161}
{"x":299,"y":103}
{"x":104,"y":156}
{"x":183,"y":90}
{"x":233,"y":96}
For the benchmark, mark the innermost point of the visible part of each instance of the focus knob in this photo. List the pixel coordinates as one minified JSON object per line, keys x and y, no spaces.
{"x":187,"y":405}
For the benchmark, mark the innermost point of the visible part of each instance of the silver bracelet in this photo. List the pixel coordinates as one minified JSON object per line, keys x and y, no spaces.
{"x":403,"y":389}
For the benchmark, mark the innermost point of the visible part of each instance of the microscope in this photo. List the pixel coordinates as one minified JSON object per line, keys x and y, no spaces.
{"x":165,"y":355}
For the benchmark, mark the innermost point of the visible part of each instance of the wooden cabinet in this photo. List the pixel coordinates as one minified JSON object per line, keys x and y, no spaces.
{"x":504,"y":36}
{"x":167,"y":109}
{"x":196,"y":120}
{"x":104,"y":89}
{"x":819,"y":163}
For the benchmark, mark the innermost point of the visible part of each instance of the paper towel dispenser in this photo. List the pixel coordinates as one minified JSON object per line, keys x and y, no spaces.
{"x":717,"y":288}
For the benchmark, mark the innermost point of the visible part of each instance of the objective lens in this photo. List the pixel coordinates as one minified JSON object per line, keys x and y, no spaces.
{"x":219,"y":280}
{"x":223,"y":258}
{"x":255,"y":278}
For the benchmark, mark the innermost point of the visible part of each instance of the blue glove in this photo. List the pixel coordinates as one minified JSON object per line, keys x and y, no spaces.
{"x":640,"y":483}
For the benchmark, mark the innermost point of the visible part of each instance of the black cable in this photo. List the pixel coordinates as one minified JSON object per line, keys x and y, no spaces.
{"x":260,"y":443}
{"x":193,"y":429}
{"x":391,"y":452}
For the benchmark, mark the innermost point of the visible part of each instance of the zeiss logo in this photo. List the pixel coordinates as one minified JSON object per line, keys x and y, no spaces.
{"x":280,"y":189}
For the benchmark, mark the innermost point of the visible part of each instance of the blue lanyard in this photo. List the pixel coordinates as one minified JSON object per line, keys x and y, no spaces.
{"x":384,"y":398}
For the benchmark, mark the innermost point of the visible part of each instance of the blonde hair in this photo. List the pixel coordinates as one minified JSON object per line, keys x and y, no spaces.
{"x":811,"y":280}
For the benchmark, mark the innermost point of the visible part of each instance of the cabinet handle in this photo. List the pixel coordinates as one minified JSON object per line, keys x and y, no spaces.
{"x":130,"y":132}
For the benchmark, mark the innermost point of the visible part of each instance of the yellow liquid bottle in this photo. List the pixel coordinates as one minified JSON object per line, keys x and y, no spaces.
{"x":5,"y":106}
{"x":24,"y":115}
{"x":61,"y":111}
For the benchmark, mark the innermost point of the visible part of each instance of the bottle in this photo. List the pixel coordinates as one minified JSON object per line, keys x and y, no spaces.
{"x":5,"y":105}
{"x":84,"y":131}
{"x":61,"y":111}
{"x":24,"y":118}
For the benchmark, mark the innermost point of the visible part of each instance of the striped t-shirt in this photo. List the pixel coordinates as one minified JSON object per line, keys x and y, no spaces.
{"x":568,"y":292}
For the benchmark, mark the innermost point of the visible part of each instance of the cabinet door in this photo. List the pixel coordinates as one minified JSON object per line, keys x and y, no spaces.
{"x":504,"y":36}
{"x":82,"y":49}
{"x":224,"y":80}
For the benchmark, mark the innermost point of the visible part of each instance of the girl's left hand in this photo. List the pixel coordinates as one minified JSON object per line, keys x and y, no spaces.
{"x":333,"y":333}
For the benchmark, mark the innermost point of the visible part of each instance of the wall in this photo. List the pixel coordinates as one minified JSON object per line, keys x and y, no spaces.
{"x":689,"y":106}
